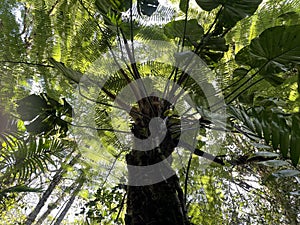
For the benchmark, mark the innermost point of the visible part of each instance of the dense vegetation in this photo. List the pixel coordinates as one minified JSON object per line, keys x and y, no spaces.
{"x":85,"y":84}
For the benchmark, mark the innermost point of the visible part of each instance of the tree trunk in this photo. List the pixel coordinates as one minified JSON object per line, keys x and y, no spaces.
{"x":157,"y":204}
{"x":160,"y":203}
{"x":154,"y":195}
{"x":53,"y":205}
{"x":55,"y":181}
{"x":70,"y":202}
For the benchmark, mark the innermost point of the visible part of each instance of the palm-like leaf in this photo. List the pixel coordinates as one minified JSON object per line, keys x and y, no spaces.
{"x":273,"y":126}
{"x":24,"y":158}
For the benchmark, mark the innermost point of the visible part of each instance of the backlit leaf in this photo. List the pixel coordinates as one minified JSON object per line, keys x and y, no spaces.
{"x":273,"y":51}
{"x":174,"y":29}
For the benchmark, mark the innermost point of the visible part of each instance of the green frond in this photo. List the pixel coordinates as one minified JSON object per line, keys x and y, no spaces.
{"x":29,"y":157}
{"x":269,"y":123}
{"x":148,"y":33}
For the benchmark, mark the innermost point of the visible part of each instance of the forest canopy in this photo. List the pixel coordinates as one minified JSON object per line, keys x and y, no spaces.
{"x":164,"y":112}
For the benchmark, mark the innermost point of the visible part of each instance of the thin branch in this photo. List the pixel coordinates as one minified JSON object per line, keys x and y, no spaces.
{"x":226,"y":31}
{"x":215,"y":21}
{"x":108,"y":44}
{"x":135,"y":90}
{"x":131,"y":29}
{"x":27,"y":63}
{"x":201,"y":153}
{"x":111,"y":168}
{"x":185,"y":22}
{"x":202,"y":43}
{"x":24,"y":20}
{"x":70,"y":201}
{"x":238,"y":88}
{"x":136,"y":72}
{"x":123,"y":58}
{"x":187,"y":178}
{"x":125,"y":108}
{"x":131,"y":56}
{"x":53,"y":205}
{"x":231,"y":85}
{"x":99,"y":129}
{"x":122,"y":105}
{"x":53,"y":7}
{"x":54,"y":182}
{"x":235,"y":97}
{"x":121,"y":207}
{"x":245,"y":133}
{"x":254,"y":83}
{"x":97,"y":101}
{"x":107,"y":92}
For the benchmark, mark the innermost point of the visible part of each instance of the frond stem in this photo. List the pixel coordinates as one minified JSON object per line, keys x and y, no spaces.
{"x":27,"y":63}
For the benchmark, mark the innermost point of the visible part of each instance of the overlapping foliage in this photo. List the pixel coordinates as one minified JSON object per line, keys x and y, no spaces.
{"x":258,"y":71}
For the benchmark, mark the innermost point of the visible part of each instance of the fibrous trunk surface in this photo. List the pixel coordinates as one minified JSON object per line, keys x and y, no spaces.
{"x":156,"y":203}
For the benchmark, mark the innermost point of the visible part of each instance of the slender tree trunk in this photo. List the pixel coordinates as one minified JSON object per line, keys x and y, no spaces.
{"x":55,"y":204}
{"x":55,"y":181}
{"x":70,"y":202}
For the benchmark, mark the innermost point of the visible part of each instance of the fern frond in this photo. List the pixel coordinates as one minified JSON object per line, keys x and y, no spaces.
{"x":29,"y":157}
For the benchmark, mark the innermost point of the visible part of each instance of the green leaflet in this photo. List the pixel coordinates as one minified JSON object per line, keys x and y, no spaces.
{"x":286,"y":173}
{"x":295,"y":140}
{"x":284,"y":138}
{"x":31,"y":156}
{"x":20,"y":188}
{"x":295,"y":192}
{"x":258,"y":127}
{"x":265,"y":154}
{"x":275,"y":131}
{"x":278,"y":130}
{"x":274,"y":163}
{"x":266,"y":131}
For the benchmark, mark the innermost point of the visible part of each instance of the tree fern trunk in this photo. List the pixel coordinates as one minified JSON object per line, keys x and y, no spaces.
{"x":157,"y":204}
{"x":152,"y":198}
{"x":154,"y":195}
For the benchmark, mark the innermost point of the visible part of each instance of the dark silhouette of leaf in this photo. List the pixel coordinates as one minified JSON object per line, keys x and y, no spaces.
{"x":31,"y":106}
{"x":147,"y":7}
{"x":232,"y":11}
